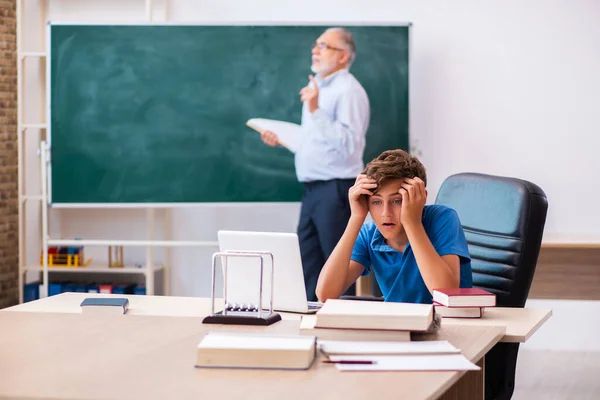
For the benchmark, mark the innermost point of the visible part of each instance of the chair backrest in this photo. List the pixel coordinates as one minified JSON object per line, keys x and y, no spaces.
{"x":503,"y":219}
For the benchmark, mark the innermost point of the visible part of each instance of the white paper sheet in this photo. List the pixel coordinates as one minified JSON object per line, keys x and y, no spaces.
{"x":288,"y":133}
{"x":447,"y":362}
{"x":331,"y":347}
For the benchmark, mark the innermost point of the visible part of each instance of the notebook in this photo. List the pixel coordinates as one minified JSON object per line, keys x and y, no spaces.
{"x":463,"y":297}
{"x":231,"y":350}
{"x":104,"y":305}
{"x":307,"y":327}
{"x":287,"y":133}
{"x":354,"y":314}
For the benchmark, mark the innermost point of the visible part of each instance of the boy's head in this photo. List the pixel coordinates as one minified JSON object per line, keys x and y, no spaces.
{"x":389,"y":170}
{"x":395,"y":164}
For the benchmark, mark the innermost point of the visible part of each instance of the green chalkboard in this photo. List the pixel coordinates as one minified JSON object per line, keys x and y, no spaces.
{"x":157,"y":113}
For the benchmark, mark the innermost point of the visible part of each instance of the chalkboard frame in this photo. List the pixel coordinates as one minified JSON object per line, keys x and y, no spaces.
{"x":48,"y":169}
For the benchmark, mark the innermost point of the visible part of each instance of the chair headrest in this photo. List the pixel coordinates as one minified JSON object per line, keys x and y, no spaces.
{"x":494,"y":204}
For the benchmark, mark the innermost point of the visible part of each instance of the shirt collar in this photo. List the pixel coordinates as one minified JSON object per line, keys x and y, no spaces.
{"x":326,"y":81}
{"x":378,"y":243}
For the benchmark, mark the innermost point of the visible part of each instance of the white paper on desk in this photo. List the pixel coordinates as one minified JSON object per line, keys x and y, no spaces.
{"x":331,"y":347}
{"x":447,"y":362}
{"x":288,"y":133}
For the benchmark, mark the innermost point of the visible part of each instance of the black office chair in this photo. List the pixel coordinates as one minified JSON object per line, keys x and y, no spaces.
{"x":503,"y":219}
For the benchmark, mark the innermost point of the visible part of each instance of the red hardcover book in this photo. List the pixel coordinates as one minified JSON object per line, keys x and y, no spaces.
{"x":462,"y":297}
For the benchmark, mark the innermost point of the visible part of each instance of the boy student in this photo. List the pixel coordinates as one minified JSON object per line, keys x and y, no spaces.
{"x":412,"y":248}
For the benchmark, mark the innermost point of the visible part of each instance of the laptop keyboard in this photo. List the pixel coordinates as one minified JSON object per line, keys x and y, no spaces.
{"x":314,"y":305}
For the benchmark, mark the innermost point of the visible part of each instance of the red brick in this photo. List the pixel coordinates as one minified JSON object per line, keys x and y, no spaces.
{"x":8,"y":156}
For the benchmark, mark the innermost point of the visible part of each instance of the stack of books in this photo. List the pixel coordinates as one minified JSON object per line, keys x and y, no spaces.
{"x":368,"y":321}
{"x":462,"y":303}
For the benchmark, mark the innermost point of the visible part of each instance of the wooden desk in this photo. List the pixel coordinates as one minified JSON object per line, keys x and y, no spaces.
{"x":520,"y":323}
{"x":146,"y":354}
{"x":558,"y":241}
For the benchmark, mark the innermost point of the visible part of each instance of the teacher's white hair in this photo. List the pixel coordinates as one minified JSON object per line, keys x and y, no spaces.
{"x":347,"y":40}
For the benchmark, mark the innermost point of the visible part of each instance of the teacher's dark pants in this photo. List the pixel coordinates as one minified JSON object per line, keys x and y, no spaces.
{"x":323,"y":218}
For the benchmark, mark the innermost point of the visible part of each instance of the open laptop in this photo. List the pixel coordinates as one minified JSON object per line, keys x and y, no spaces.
{"x":289,"y":293}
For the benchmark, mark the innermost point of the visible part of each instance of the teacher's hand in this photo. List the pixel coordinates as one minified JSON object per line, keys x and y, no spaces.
{"x":310,"y":95}
{"x":269,"y":138}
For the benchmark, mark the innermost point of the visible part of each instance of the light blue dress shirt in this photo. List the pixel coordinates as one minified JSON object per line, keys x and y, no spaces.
{"x":333,"y":137}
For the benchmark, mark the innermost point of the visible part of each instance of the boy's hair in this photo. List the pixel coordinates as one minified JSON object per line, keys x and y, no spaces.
{"x":395,"y":164}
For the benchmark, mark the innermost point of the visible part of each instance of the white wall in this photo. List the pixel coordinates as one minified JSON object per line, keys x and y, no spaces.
{"x":507,"y":87}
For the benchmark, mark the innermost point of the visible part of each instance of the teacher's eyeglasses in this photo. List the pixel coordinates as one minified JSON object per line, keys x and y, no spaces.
{"x":325,"y":46}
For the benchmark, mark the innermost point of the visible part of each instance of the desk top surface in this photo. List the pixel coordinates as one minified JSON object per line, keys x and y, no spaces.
{"x":68,"y":355}
{"x":520,"y":323}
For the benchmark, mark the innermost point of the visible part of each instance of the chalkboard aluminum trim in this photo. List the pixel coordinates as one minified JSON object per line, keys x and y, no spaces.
{"x":48,"y":176}
{"x":144,"y":22}
{"x":171,"y":205}
{"x":410,"y":94}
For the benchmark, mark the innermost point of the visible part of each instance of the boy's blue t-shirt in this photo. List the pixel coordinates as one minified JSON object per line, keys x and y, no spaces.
{"x":397,"y":273}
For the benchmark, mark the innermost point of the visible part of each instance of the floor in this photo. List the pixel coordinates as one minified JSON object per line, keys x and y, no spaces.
{"x":557,"y":375}
{"x":562,"y":359}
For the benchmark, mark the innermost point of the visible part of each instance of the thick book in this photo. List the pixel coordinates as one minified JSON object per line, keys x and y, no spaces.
{"x":308,"y":322}
{"x":287,"y":133}
{"x":234,"y":350}
{"x":458,"y":312}
{"x":354,"y":314}
{"x":463,"y":297}
{"x":104,"y":305}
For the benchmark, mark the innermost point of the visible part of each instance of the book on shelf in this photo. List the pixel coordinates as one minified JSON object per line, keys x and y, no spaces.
{"x":458,"y":312}
{"x":308,"y":322}
{"x":355,"y":314}
{"x":464,"y":297}
{"x":234,"y":350}
{"x":287,"y":133}
{"x":104,"y":305}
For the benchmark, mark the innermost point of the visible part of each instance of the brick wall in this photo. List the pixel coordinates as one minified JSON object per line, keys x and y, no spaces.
{"x":9,"y":246}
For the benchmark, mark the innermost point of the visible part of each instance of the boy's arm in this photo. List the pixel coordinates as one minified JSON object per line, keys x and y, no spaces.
{"x":437,"y":271}
{"x":339,"y":272}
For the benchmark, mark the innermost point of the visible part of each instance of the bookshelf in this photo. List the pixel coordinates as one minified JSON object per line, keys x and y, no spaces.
{"x":33,"y":124}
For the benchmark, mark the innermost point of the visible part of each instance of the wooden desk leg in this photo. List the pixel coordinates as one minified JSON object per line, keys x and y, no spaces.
{"x":363,"y":286}
{"x":470,"y":386}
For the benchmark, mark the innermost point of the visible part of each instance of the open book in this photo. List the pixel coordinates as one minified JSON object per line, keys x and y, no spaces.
{"x":233,"y":350}
{"x":287,"y":133}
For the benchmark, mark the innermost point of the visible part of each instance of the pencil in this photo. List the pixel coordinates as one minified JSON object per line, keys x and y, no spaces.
{"x":349,"y":362}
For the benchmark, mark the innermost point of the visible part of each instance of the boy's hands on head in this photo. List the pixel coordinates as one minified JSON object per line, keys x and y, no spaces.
{"x":414,"y":196}
{"x":359,"y":203}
